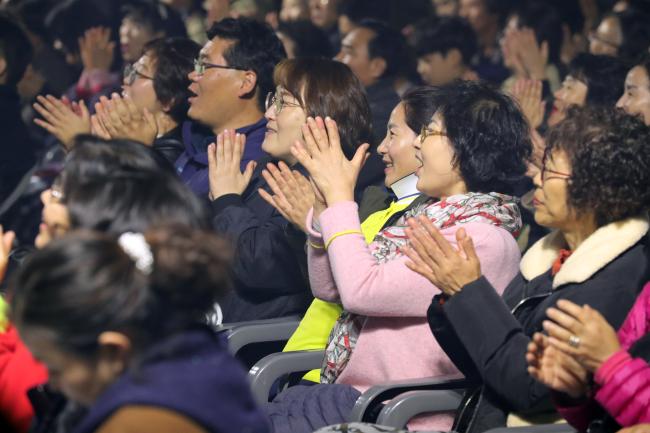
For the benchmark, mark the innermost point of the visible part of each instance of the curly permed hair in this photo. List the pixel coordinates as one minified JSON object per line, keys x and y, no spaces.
{"x":609,"y":153}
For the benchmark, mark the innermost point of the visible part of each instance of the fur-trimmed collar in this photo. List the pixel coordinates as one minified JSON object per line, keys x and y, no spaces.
{"x":599,"y":249}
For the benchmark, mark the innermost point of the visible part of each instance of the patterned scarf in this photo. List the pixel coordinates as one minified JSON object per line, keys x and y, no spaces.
{"x":497,"y":209}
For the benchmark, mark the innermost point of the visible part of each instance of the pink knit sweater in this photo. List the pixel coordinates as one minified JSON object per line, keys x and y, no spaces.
{"x":395,"y":343}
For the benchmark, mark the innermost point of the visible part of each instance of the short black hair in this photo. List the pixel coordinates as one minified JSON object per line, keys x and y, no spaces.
{"x":489,"y":135}
{"x":174,"y":60}
{"x":256,"y":47}
{"x":444,"y":34}
{"x":117,"y":186}
{"x":545,"y":21}
{"x":310,"y":41}
{"x":603,"y":75}
{"x":15,"y":48}
{"x":157,"y":16}
{"x":609,"y":152}
{"x":420,"y":104}
{"x":358,"y":10}
{"x":388,"y":44}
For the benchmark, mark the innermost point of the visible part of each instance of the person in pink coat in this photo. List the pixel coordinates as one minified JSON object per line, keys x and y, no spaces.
{"x":580,"y":343}
{"x":471,"y":151}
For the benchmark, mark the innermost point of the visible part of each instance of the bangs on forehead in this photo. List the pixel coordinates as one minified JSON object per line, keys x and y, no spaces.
{"x":292,"y":80}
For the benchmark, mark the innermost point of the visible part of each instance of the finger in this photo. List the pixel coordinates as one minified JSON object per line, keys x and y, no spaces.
{"x":271,"y":200}
{"x":212,"y":157}
{"x":134,"y":112}
{"x":299,"y":152}
{"x":310,"y":140}
{"x":83,"y":110}
{"x":558,"y":337}
{"x":270,"y":178}
{"x":333,"y":133}
{"x":45,"y":113}
{"x":248,"y":172}
{"x":46,"y":106}
{"x":318,"y":132}
{"x":120,"y":109}
{"x":360,"y":156}
{"x":466,"y":244}
{"x":437,"y":237}
{"x":47,"y":126}
{"x":59,"y":107}
{"x":242,"y":145}
{"x":228,"y":138}
{"x":426,"y":249}
{"x":570,"y":308}
{"x":220,"y":151}
{"x":7,"y":239}
{"x":567,"y":321}
{"x":150,"y":121}
{"x":419,"y":267}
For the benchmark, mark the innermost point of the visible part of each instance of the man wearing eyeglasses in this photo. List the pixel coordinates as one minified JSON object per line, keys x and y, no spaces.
{"x":230,"y":81}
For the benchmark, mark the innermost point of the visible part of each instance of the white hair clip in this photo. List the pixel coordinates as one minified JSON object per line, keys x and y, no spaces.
{"x":136,"y":246}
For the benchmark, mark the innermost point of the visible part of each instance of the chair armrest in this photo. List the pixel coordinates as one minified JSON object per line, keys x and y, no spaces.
{"x":242,"y":334}
{"x":263,"y":374}
{"x":542,"y":428}
{"x":397,"y":412}
{"x":366,"y":406}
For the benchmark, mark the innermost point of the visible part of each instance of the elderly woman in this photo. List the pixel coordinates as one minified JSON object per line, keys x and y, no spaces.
{"x":471,"y":152}
{"x":152,"y":108}
{"x":593,"y":192}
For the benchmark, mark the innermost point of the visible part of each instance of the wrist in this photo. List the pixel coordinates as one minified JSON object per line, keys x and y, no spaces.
{"x":339,"y":196}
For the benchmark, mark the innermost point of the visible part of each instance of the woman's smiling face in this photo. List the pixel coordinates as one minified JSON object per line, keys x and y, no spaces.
{"x":396,"y":150}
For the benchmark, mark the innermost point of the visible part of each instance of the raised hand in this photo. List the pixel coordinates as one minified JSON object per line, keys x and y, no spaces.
{"x":120,"y":118}
{"x":293,"y":195}
{"x":581,"y":332}
{"x":6,"y":241}
{"x":554,"y":368}
{"x":528,"y":94}
{"x":332,"y":173}
{"x":433,"y":257}
{"x":533,"y":55}
{"x":96,"y":49}
{"x":224,"y":159}
{"x":60,"y":119}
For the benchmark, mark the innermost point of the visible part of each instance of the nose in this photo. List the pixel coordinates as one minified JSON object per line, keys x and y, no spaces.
{"x":382,"y":149}
{"x":270,"y":113}
{"x":339,"y":57}
{"x":621,"y":101}
{"x":537,"y":179}
{"x":193,"y":75}
{"x":45,"y":196}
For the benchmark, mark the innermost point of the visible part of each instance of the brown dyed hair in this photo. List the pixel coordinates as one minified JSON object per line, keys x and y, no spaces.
{"x":325,"y":87}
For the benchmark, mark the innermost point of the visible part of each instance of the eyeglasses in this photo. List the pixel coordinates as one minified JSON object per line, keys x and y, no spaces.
{"x":200,"y":66}
{"x":131,"y":74}
{"x":554,"y":174}
{"x":593,"y":36}
{"x":428,"y":132}
{"x":275,"y":98}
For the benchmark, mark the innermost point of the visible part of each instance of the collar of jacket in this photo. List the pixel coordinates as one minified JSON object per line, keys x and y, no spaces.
{"x":406,"y":187}
{"x":599,"y":249}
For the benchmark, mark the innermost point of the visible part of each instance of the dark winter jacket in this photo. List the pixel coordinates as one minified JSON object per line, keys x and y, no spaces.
{"x":488,"y":343}
{"x":190,"y":374}
{"x":268,"y":273}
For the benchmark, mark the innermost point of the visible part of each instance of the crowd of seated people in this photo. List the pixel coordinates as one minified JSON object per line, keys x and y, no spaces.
{"x":444,"y":190}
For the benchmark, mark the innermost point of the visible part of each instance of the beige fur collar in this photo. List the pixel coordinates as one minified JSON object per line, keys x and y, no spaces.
{"x":603,"y":246}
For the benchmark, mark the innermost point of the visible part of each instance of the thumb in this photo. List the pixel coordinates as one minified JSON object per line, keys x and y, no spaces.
{"x":212,"y":158}
{"x":248,"y":172}
{"x":8,"y":240}
{"x":360,"y":157}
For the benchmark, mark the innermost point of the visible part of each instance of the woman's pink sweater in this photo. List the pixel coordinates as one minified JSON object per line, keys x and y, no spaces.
{"x":395,"y":343}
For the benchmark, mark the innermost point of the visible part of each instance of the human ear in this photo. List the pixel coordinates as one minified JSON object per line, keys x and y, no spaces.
{"x":248,"y":83}
{"x":114,"y":353}
{"x":377,"y":67}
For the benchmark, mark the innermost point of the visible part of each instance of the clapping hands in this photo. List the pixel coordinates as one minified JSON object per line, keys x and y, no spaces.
{"x":224,"y":160}
{"x":62,"y":118}
{"x":332,"y":173}
{"x":119,"y":117}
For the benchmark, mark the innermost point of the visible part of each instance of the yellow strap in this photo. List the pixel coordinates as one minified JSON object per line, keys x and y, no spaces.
{"x":316,"y":246}
{"x":344,"y":232}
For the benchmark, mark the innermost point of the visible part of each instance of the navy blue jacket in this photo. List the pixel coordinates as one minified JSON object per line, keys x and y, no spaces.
{"x":269,"y":264}
{"x":192,"y":164}
{"x":191,"y":373}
